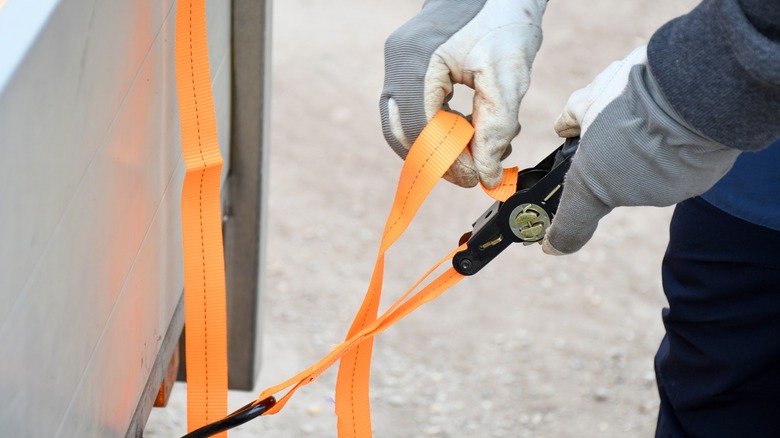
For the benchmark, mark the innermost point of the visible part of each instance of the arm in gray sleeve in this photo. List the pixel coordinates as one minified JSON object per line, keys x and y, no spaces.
{"x":719,"y":67}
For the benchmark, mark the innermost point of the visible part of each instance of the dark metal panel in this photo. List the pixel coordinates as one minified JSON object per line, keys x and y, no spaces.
{"x":247,"y":187}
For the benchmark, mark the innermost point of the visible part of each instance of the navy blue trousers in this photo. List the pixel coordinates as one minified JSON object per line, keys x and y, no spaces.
{"x":718,"y":367}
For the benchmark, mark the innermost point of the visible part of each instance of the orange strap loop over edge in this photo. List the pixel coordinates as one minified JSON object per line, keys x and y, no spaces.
{"x":434,"y":151}
{"x":204,"y":270}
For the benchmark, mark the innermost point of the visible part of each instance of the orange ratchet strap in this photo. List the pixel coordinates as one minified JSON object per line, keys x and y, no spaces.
{"x":204,"y":270}
{"x":437,"y":147}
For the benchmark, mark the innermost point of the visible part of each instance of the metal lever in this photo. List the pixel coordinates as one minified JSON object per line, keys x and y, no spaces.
{"x":524,"y":217}
{"x":237,"y":418}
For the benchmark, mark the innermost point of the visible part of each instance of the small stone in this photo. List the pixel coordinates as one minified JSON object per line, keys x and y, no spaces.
{"x":600,"y":395}
{"x":357,"y":210}
{"x":340,"y":115}
{"x":506,"y":378}
{"x":274,"y":269}
{"x":648,"y":406}
{"x":314,"y":410}
{"x":432,"y":430}
{"x":310,"y":233}
{"x":396,"y":400}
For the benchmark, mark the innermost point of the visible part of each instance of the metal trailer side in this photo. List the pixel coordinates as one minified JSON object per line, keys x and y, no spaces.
{"x":90,"y":181}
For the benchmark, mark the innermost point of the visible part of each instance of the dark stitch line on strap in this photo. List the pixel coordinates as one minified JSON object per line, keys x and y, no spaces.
{"x":403,"y":207}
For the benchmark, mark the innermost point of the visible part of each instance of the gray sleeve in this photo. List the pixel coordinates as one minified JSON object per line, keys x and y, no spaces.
{"x":719,"y":67}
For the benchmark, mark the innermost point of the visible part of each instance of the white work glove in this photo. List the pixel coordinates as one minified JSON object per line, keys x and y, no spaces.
{"x":488,"y":45}
{"x":635,"y":149}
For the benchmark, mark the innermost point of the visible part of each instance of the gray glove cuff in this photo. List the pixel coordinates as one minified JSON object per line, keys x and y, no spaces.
{"x":408,"y":52}
{"x":637,"y":151}
{"x":655,"y":157}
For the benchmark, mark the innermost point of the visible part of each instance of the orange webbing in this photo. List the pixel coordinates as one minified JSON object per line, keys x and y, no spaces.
{"x":432,"y":154}
{"x":442,"y":140}
{"x":507,"y":187}
{"x":204,"y":274}
{"x":399,"y":310}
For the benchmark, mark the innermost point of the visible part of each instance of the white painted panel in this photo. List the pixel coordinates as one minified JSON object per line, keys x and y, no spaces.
{"x":91,"y":272}
{"x":116,"y":358}
{"x":54,"y":113}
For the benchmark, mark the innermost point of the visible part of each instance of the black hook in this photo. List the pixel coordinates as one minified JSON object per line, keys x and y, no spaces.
{"x":237,"y":418}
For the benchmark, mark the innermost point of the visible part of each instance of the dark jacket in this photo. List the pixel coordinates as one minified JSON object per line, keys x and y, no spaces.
{"x":719,"y":66}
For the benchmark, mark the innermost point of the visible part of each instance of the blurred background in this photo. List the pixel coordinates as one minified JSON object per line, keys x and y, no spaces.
{"x":533,"y":346}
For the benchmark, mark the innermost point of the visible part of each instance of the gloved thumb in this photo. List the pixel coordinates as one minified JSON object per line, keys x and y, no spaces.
{"x":578,"y":216}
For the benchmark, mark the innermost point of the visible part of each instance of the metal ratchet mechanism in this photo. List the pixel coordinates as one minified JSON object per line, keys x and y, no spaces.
{"x":524,"y":217}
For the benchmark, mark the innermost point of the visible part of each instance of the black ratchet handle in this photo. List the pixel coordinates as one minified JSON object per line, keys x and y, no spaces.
{"x":539,"y":186}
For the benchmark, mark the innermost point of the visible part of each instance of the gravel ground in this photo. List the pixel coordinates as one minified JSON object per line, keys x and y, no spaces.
{"x":533,"y":346}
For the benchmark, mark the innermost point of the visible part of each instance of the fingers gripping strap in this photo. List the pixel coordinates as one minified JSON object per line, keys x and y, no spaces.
{"x":507,"y":187}
{"x":439,"y":144}
{"x":204,"y":275}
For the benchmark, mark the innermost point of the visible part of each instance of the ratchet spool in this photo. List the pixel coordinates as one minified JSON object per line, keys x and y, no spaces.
{"x":523,"y":217}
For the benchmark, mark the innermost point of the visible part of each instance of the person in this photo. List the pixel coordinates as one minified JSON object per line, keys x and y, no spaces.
{"x":689,"y":119}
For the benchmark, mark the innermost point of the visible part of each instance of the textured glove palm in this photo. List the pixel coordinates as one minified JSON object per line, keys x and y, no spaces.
{"x":634,"y":150}
{"x":488,"y":45}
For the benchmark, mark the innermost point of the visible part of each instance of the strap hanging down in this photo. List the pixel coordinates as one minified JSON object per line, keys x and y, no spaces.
{"x":204,"y":273}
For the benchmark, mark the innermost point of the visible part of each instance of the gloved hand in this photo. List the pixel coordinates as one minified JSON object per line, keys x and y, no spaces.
{"x":634,"y":150}
{"x":488,"y":45}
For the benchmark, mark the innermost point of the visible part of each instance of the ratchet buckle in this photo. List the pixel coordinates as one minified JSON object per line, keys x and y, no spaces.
{"x":523,"y":217}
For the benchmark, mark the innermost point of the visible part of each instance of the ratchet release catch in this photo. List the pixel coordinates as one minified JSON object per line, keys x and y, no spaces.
{"x":524,"y":217}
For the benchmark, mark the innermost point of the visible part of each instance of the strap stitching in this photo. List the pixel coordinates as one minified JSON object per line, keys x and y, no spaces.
{"x":387,"y":231}
{"x":200,"y":210}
